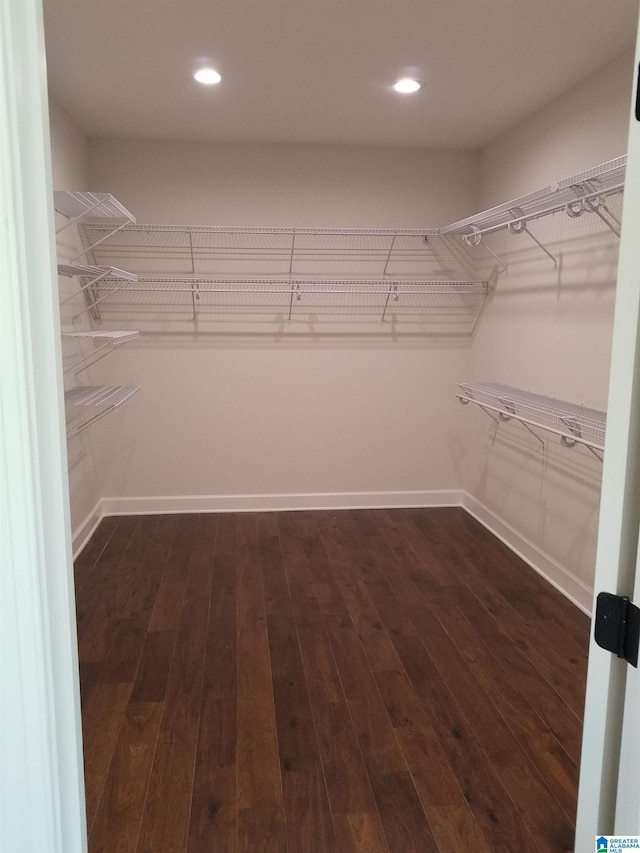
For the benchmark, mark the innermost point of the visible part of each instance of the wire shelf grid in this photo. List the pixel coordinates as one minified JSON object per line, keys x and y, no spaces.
{"x":574,"y":424}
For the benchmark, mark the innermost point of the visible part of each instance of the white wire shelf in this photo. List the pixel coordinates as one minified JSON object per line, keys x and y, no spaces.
{"x":76,"y":206}
{"x":111,"y":340}
{"x":585,"y":192}
{"x":110,"y":398}
{"x":90,"y":276}
{"x":100,"y":395}
{"x":87,"y":207}
{"x":574,"y":424}
{"x":93,"y":272}
{"x":290,"y":296}
{"x":236,"y":251}
{"x":119,"y":337}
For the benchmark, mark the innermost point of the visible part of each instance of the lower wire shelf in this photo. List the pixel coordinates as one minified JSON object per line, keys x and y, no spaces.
{"x":574,"y":424}
{"x":109,"y":398}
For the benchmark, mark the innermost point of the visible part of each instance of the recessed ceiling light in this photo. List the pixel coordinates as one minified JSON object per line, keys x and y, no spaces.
{"x":407,"y":85}
{"x":207,"y":76}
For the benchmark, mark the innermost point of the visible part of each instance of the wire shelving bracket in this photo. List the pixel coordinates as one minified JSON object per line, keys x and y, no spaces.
{"x":112,"y":340}
{"x":90,"y":276}
{"x":574,"y":424}
{"x":108,"y":398}
{"x":86,"y":207}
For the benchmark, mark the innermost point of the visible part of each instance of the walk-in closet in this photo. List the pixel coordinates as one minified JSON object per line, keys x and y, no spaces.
{"x":334,"y":359}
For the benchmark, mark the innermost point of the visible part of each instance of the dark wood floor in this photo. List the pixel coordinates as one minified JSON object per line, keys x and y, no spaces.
{"x":325,"y":681}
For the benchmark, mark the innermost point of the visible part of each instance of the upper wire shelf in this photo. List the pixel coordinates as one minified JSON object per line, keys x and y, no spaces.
{"x":76,"y":206}
{"x":167,"y":250}
{"x":574,"y":424}
{"x":582,"y":193}
{"x":86,"y":207}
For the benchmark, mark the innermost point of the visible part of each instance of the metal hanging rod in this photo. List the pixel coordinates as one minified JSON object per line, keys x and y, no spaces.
{"x":574,"y":424}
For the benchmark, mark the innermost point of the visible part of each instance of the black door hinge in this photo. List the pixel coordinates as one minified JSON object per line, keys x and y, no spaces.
{"x":617,"y":626}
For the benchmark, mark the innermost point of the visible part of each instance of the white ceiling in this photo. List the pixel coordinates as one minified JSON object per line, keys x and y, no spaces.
{"x":321,"y":70}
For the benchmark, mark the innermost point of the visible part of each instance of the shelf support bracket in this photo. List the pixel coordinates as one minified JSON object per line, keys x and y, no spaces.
{"x":390,"y":252}
{"x":533,"y":433}
{"x":466,"y":400}
{"x":475,"y":239}
{"x":193,"y":263}
{"x":195,"y":298}
{"x":519,"y":226}
{"x":295,"y":291}
{"x":393,"y":289}
{"x":92,"y":421}
{"x":291,"y":256}
{"x":98,"y":242}
{"x":609,"y":220}
{"x":93,"y":358}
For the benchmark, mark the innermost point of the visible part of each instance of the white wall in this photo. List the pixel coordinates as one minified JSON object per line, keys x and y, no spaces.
{"x":70,"y":163}
{"x":549,"y":331}
{"x":69,"y":150}
{"x":586,"y":126}
{"x":280,"y":409}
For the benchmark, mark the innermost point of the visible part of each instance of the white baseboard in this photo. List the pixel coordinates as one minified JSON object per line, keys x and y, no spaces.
{"x":86,"y":530}
{"x":556,"y":574}
{"x":266,"y":503}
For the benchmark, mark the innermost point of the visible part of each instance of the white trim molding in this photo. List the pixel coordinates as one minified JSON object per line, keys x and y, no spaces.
{"x":87,"y":528}
{"x":266,"y":503}
{"x":556,"y":574}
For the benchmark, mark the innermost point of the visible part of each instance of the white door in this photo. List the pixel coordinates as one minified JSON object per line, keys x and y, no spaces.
{"x":609,"y":796}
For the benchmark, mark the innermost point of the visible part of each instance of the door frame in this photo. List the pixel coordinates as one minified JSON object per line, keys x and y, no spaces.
{"x":618,"y":530}
{"x":42,"y":796}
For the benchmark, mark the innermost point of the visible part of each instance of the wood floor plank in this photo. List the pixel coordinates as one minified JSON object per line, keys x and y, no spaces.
{"x":259,"y":783}
{"x":308,"y":819}
{"x":151,"y":677}
{"x":262,"y":830}
{"x":403,"y":819}
{"x":378,"y":743}
{"x":117,"y":824}
{"x":214,"y":815}
{"x":90,"y":596}
{"x":102,"y":718}
{"x":487,"y":796}
{"x":347,"y":783}
{"x":174,"y":762}
{"x":360,"y":831}
{"x":122,"y":664}
{"x":455,"y":829}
